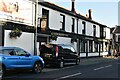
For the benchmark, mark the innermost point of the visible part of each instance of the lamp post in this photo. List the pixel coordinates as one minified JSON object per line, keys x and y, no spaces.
{"x":36,"y":25}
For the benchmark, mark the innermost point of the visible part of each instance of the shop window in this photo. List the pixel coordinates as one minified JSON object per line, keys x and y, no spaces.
{"x":96,"y":47}
{"x":82,"y":46}
{"x":106,"y":46}
{"x":62,"y":22}
{"x":90,"y":46}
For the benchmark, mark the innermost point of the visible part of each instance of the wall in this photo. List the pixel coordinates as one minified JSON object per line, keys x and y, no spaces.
{"x":55,"y":18}
{"x":107,"y":33}
{"x":26,"y":41}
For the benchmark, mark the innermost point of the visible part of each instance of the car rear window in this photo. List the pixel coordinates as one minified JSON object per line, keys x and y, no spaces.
{"x":68,"y":48}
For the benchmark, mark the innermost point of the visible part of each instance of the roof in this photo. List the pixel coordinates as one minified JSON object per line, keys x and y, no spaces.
{"x":63,"y":10}
{"x":111,"y":29}
{"x":117,"y":29}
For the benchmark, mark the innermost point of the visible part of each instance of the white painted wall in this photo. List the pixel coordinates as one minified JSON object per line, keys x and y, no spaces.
{"x":55,"y":18}
{"x":80,"y":27}
{"x":107,"y":33}
{"x":26,"y":41}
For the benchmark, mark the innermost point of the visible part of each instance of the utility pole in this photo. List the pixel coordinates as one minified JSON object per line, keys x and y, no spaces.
{"x":36,"y":25}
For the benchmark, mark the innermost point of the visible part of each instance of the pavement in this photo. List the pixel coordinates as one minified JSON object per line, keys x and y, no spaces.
{"x":95,"y":60}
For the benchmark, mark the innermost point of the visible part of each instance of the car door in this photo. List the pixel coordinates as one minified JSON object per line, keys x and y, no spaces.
{"x":25,"y":59}
{"x":9,"y":58}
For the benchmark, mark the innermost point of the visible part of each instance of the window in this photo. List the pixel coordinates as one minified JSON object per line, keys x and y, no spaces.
{"x":8,"y":51}
{"x":45,"y":18}
{"x":104,"y":32}
{"x":84,"y":28}
{"x":20,"y":52}
{"x":68,"y":49}
{"x":94,"y":30}
{"x":63,"y":21}
{"x":73,"y":25}
{"x":90,"y":46}
{"x":95,"y":47}
{"x":82,"y":46}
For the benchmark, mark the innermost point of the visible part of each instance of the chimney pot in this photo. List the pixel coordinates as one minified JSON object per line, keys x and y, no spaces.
{"x":73,"y":6}
{"x":90,"y":13}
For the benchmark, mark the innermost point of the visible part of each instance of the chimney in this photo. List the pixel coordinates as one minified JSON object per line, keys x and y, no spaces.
{"x":73,"y":6}
{"x":87,"y":16}
{"x":90,"y":13}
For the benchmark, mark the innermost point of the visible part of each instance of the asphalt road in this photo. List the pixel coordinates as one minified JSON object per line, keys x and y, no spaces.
{"x":94,"y":69}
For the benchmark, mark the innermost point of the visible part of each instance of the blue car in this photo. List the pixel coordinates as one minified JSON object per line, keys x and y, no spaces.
{"x":17,"y":58}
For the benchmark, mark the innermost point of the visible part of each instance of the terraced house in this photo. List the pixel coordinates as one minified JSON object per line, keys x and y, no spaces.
{"x":58,"y":25}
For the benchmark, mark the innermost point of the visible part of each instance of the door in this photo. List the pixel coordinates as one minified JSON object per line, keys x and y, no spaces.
{"x":10,"y":59}
{"x":25,"y":59}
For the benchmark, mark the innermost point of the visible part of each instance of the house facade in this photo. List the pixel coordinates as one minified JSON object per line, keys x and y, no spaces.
{"x":58,"y":25}
{"x":63,"y":26}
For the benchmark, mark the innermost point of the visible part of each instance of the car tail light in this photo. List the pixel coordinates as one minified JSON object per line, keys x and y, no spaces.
{"x":56,"y":51}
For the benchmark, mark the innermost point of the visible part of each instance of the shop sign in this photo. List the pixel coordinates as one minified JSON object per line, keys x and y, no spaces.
{"x":21,"y":11}
{"x":59,"y":34}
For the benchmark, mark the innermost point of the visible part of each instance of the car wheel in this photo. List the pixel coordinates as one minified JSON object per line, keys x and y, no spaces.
{"x":61,"y":64}
{"x":77,"y":61}
{"x":37,"y":68}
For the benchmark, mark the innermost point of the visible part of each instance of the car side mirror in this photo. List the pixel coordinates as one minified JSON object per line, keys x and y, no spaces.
{"x":27,"y":55}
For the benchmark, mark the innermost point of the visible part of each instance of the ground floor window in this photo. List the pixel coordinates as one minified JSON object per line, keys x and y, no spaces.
{"x":106,"y":46}
{"x":90,"y":46}
{"x":96,"y":47}
{"x":82,"y":46}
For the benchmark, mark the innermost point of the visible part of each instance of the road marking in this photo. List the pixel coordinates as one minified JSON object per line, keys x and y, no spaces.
{"x":108,"y":66}
{"x":68,"y":76}
{"x":102,"y":67}
{"x":99,"y":68}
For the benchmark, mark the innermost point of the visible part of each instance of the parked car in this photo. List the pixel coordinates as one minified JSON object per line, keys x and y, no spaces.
{"x":17,"y":58}
{"x":59,"y":54}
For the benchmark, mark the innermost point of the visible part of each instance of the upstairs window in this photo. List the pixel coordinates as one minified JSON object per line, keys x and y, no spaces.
{"x":84,"y":27}
{"x":62,"y":22}
{"x":44,"y":19}
{"x":73,"y":25}
{"x":94,"y":30}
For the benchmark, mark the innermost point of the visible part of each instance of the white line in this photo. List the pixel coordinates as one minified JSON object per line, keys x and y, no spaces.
{"x":108,"y":66}
{"x":68,"y":76}
{"x":99,"y":68}
{"x":102,"y":67}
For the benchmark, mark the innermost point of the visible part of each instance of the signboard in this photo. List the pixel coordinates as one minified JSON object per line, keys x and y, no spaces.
{"x":21,"y":11}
